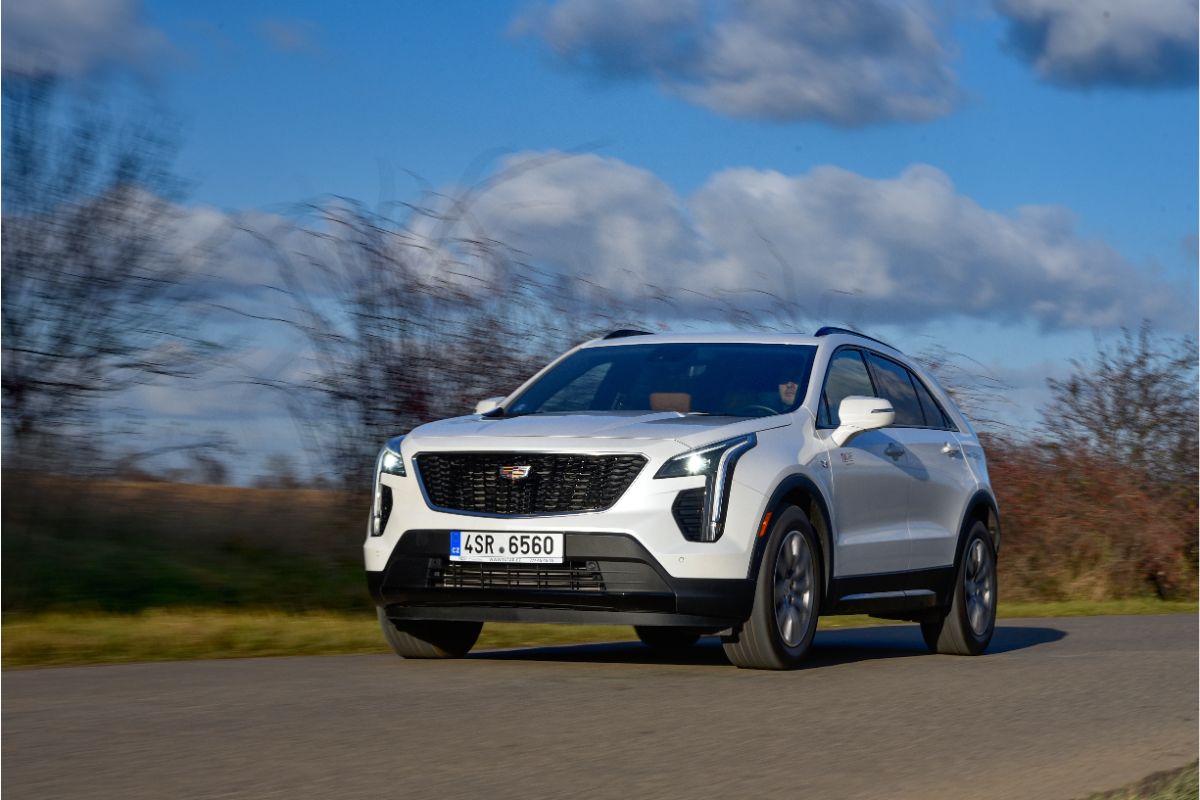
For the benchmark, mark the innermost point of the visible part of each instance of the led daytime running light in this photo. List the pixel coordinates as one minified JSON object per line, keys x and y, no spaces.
{"x":715,"y":463}
{"x":388,"y":462}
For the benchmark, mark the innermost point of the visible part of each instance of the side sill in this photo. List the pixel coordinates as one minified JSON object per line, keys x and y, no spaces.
{"x":891,"y":592}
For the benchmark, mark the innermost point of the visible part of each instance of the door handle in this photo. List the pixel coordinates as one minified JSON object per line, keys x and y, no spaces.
{"x":950,"y":450}
{"x":893,"y":451}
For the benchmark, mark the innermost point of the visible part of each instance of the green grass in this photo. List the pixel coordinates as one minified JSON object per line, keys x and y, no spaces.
{"x":1180,"y":784}
{"x":1094,"y":608}
{"x":58,"y":639}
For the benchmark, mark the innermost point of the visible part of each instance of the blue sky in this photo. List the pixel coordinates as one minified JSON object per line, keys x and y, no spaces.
{"x":436,"y":88}
{"x":286,"y":102}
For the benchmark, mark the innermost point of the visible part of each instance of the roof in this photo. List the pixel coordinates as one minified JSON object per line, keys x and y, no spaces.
{"x":837,"y":335}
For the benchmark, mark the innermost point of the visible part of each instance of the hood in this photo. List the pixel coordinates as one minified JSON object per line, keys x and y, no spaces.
{"x":692,"y":430}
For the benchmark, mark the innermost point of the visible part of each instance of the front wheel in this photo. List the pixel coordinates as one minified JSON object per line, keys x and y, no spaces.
{"x":787,"y":599}
{"x":419,"y":638}
{"x":966,"y":628}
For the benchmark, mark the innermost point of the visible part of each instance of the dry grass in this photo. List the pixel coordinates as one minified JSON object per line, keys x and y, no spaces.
{"x":57,"y":639}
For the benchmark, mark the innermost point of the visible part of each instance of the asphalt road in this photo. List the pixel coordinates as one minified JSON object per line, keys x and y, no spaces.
{"x":1057,"y":708}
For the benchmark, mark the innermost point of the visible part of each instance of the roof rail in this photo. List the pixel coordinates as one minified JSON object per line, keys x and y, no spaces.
{"x":623,"y":332}
{"x":828,"y":329}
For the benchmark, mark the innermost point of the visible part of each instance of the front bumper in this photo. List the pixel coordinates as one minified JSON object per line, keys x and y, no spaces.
{"x":606,"y":578}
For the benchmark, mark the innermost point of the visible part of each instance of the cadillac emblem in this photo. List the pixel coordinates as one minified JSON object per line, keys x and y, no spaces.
{"x":515,"y":473}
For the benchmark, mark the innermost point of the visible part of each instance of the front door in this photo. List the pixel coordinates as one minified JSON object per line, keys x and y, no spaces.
{"x":870,"y":497}
{"x":870,"y":484}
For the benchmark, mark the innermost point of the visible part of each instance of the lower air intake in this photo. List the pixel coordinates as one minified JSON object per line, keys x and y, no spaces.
{"x":571,"y":575}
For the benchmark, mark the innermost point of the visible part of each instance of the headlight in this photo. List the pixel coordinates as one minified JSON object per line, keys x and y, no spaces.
{"x":389,"y":458}
{"x":388,"y":462}
{"x":705,"y":460}
{"x":715,"y":462}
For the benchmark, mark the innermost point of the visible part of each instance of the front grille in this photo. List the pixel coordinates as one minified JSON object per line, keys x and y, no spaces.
{"x":557,"y":483}
{"x":571,"y":575}
{"x":688,"y":509}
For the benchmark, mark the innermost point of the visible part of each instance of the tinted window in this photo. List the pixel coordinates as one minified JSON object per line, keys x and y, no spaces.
{"x":579,"y":393}
{"x":895,"y":386}
{"x":934,"y":416}
{"x":847,"y":376}
{"x":745,"y":380}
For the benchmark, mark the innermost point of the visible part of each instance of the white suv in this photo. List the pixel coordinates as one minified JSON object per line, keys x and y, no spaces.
{"x":690,"y":484}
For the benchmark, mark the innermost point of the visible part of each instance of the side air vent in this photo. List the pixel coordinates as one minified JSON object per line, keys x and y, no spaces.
{"x":688,"y":510}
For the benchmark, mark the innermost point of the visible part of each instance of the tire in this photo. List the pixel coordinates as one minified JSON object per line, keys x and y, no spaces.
{"x":966,"y":628}
{"x":660,"y":638}
{"x":429,"y":638}
{"x":787,"y":599}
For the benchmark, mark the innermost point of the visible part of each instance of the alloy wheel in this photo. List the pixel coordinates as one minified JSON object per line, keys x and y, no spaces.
{"x":795,"y":579}
{"x":979,"y":587}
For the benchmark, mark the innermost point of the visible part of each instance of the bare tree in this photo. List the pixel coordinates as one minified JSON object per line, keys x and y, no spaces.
{"x":1134,"y":404}
{"x":94,"y":298}
{"x":402,"y":329}
{"x":975,"y":390}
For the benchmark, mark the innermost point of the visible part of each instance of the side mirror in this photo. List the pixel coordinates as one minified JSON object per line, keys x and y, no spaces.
{"x":484,"y":406}
{"x":858,"y":414}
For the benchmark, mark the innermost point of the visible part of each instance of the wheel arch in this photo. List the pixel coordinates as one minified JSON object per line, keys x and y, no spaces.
{"x":980,"y":508}
{"x":800,"y":491}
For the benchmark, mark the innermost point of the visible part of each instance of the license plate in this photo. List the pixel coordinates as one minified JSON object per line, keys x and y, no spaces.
{"x":513,"y":548}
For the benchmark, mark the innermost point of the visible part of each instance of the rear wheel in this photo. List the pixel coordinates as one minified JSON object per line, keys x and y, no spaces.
{"x":966,"y":628}
{"x":429,"y":638}
{"x":661,"y":638}
{"x":787,"y":599}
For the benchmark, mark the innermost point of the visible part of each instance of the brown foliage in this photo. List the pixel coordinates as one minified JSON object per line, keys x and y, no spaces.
{"x":1079,"y":526}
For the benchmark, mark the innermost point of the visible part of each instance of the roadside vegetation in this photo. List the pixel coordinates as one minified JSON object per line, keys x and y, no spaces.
{"x":97,"y":569}
{"x":1180,"y":784}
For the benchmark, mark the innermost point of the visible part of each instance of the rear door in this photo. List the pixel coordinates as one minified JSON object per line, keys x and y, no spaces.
{"x":870,"y":484}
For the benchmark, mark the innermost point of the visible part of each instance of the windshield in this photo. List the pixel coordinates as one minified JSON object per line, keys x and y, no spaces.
{"x":738,"y":380}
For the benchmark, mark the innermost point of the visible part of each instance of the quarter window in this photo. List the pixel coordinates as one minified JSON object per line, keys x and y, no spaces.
{"x":847,"y":376}
{"x":896,"y":387}
{"x":934,"y":416}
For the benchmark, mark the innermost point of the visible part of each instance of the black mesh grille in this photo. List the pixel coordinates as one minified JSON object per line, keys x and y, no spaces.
{"x":571,"y":575}
{"x":557,"y":483}
{"x":689,"y":512}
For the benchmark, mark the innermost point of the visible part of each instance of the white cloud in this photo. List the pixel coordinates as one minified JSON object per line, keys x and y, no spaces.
{"x":825,"y":246}
{"x":590,"y":216}
{"x":848,"y":64}
{"x":619,"y":37}
{"x":1130,"y":43}
{"x":73,"y":37}
{"x":827,"y":243}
